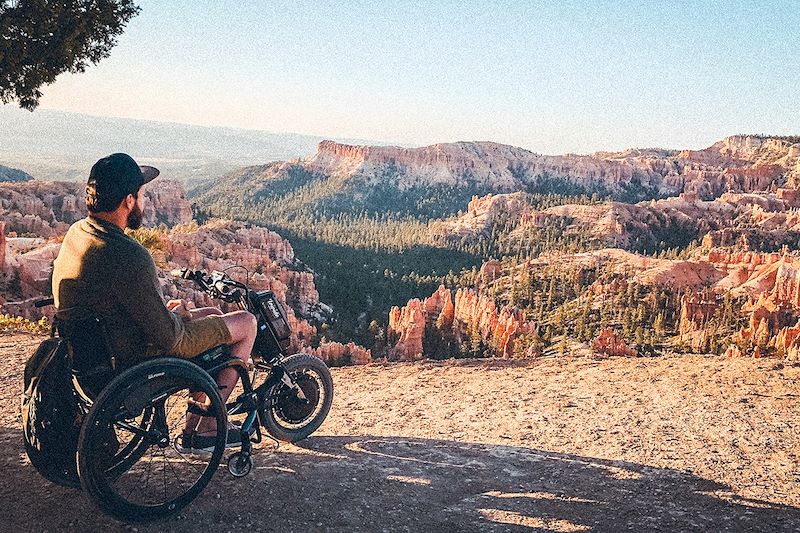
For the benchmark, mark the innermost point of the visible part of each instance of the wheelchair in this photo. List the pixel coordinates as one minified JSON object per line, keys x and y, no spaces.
{"x":131,"y":455}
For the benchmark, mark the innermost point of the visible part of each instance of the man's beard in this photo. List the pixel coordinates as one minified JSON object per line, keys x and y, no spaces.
{"x":135,"y":218}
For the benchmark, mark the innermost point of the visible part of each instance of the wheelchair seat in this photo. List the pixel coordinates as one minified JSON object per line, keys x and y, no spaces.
{"x":94,"y":363}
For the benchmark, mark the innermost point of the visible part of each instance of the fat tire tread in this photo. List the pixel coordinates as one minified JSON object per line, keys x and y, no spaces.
{"x":291,"y":364}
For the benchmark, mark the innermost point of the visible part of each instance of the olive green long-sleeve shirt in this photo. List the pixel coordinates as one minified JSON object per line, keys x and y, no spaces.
{"x":104,"y":270}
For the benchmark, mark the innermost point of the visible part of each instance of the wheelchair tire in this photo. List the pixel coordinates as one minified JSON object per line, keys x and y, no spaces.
{"x":285,"y":416}
{"x":132,"y":460}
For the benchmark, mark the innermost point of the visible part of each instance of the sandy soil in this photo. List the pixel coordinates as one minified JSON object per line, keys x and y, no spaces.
{"x":667,"y":444}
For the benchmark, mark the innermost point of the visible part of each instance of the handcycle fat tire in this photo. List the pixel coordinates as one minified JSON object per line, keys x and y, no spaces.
{"x":286,"y":417}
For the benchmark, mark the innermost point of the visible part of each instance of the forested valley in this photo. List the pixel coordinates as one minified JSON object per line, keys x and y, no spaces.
{"x":371,"y":246}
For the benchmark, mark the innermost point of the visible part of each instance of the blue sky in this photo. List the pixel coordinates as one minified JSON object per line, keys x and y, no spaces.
{"x":552,"y":77}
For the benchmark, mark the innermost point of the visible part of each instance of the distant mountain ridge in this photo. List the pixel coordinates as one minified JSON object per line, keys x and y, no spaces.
{"x":737,"y":163}
{"x":54,"y":145}
{"x":350,"y":178}
{"x":13,"y":174}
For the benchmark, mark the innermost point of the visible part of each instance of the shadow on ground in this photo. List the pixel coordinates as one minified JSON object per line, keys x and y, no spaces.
{"x":366,"y":483}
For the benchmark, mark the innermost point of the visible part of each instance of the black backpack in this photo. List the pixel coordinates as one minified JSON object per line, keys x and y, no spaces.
{"x":51,"y":415}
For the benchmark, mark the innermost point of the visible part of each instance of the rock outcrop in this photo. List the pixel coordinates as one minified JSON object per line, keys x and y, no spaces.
{"x":608,"y":342}
{"x":36,"y":214}
{"x":3,"y":246}
{"x":255,"y":255}
{"x":334,"y":353}
{"x":458,"y":319}
{"x":760,"y":220}
{"x":767,"y":283}
{"x":47,"y":209}
{"x":405,"y":331}
{"x":737,"y":163}
{"x":219,"y":245}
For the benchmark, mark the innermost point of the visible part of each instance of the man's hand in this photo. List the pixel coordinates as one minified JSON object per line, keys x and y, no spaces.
{"x":180,"y":308}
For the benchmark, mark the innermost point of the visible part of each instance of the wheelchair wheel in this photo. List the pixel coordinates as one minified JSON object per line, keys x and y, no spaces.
{"x":131,"y":458}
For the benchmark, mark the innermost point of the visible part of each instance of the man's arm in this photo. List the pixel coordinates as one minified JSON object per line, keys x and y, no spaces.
{"x":142,"y":298}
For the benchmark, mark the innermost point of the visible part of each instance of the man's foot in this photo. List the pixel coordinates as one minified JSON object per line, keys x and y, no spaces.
{"x":195,"y":443}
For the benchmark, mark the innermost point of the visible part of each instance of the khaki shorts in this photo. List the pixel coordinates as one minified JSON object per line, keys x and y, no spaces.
{"x":200,"y":335}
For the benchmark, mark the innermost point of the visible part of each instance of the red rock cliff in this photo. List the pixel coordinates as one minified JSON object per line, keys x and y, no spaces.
{"x":735,"y":163}
{"x":440,"y":315}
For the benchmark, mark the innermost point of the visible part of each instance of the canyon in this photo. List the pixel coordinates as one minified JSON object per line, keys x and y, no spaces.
{"x":35,"y":215}
{"x":700,"y":226}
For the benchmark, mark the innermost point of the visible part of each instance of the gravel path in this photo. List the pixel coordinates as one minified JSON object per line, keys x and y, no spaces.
{"x":668,"y":444}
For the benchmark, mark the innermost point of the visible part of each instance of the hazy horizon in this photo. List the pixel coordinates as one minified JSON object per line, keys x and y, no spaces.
{"x":553,"y":78}
{"x":21,"y":114}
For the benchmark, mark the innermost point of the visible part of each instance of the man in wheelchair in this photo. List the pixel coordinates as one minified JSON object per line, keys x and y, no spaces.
{"x":104,"y":271}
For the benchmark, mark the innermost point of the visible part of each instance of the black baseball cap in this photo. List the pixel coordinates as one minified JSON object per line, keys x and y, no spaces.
{"x":113,"y":178}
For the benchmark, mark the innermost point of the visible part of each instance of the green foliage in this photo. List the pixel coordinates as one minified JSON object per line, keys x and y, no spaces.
{"x":40,"y":39}
{"x":362,"y":284}
{"x":150,"y":238}
{"x":153,"y":240}
{"x":10,"y":323}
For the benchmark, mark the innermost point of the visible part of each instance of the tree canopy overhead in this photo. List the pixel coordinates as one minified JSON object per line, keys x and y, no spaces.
{"x":40,"y":39}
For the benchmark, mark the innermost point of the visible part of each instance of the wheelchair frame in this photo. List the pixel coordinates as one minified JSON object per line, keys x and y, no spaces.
{"x":103,"y":369}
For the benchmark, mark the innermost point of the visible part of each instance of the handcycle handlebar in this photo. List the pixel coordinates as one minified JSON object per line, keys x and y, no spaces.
{"x":217,"y":284}
{"x":42,"y":303}
{"x":181,"y":273}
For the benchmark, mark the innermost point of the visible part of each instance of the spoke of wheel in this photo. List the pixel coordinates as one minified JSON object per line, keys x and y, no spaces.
{"x":168,"y":411}
{"x":164,"y":471}
{"x":180,"y":419}
{"x":147,"y":478}
{"x":173,"y":405}
{"x":180,"y":480}
{"x":147,"y":472}
{"x":187,"y":461}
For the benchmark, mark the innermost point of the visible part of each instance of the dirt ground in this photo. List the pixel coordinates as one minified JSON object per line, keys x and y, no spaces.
{"x":666,"y":444}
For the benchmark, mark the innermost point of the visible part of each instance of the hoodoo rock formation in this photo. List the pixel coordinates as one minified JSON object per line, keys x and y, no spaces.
{"x":764,"y":219}
{"x":458,"y":319}
{"x":255,"y":255}
{"x":46,"y":209}
{"x":405,"y":331}
{"x":610,"y":343}
{"x":3,"y":246}
{"x":763,"y":287}
{"x":266,"y":262}
{"x":43,"y":211}
{"x":335,"y":353}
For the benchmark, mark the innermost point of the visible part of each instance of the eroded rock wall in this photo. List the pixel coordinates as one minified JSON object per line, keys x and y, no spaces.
{"x":47,"y":209}
{"x":457,"y":318}
{"x":737,"y":163}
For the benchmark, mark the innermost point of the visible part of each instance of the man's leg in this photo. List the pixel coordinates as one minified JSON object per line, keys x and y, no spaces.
{"x":200,"y":312}
{"x":242,"y":327}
